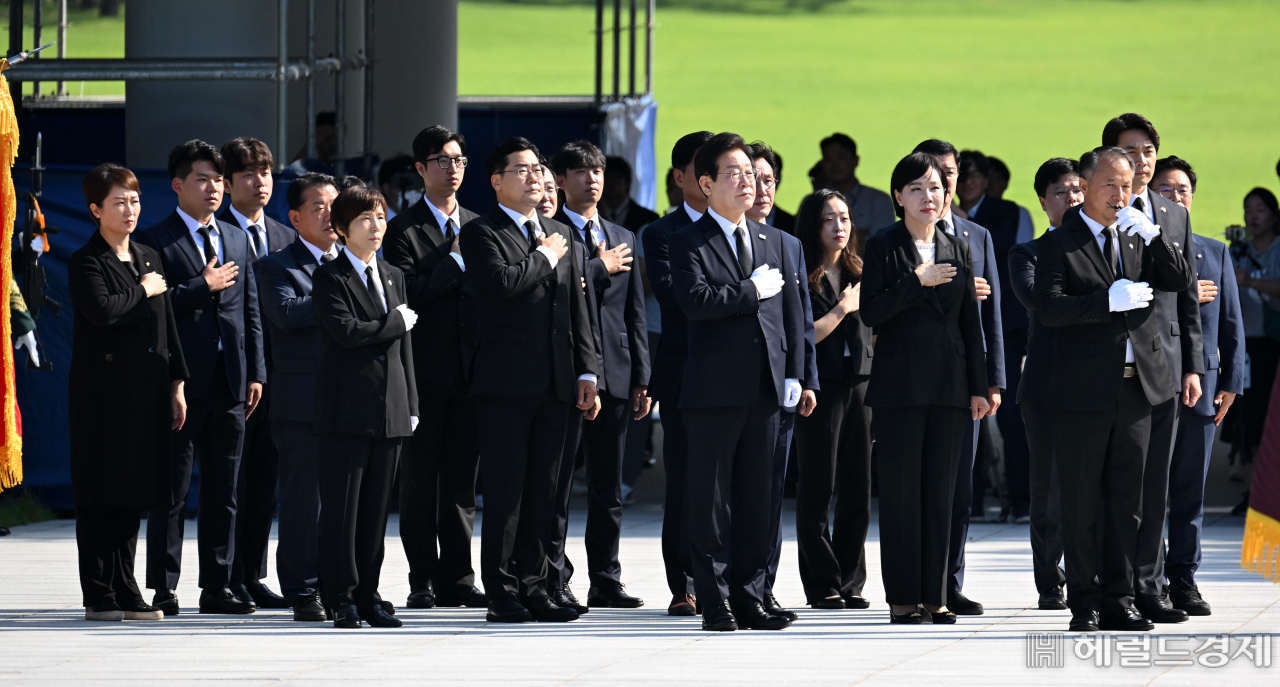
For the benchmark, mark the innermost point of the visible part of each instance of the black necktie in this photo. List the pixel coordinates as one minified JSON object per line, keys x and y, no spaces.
{"x":378,"y":308}
{"x":532,"y":228}
{"x":326,"y":257}
{"x":744,"y":253}
{"x":593,"y":248}
{"x":941,"y":225}
{"x":210,"y":253}
{"x":448,"y":230}
{"x":1140,"y":204}
{"x":259,"y":249}
{"x":1111,"y":248}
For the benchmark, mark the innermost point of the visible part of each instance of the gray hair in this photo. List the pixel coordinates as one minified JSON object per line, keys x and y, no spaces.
{"x":1089,"y":161}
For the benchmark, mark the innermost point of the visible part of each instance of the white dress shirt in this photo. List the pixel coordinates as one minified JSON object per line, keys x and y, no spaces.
{"x":948,"y":223}
{"x":520,"y":219}
{"x":1097,"y":229}
{"x":693,"y":214}
{"x":258,"y":228}
{"x":441,"y":220}
{"x":730,"y":231}
{"x":580,"y":221}
{"x":316,"y":252}
{"x":380,"y":292}
{"x":215,"y":236}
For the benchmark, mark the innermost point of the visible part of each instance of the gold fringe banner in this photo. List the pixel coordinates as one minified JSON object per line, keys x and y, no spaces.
{"x":1261,"y":544}
{"x":11,"y":450}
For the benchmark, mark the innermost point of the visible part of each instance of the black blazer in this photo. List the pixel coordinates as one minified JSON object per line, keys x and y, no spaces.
{"x":1071,"y":286}
{"x":125,"y":357}
{"x":284,"y":293}
{"x":673,"y":345}
{"x":1181,"y":332}
{"x":441,"y":295}
{"x":365,"y":381}
{"x":618,"y":314}
{"x":929,"y":344}
{"x":732,"y":333}
{"x":638,"y":216}
{"x":1001,"y":218}
{"x":205,"y":318}
{"x":851,"y":332}
{"x":783,"y":221}
{"x":535,"y":328}
{"x":1040,"y":338}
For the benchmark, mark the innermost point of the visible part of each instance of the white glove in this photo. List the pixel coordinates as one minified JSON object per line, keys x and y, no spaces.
{"x":28,"y":341}
{"x":37,"y":245}
{"x":792,"y":387}
{"x":1135,"y":221}
{"x":413,"y":423}
{"x":1127,"y":295}
{"x":768,"y":281}
{"x":410,"y":317}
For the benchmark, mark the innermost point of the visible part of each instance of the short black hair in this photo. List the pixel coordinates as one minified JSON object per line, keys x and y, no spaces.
{"x":497,"y":160}
{"x":1089,"y":161}
{"x":997,"y":166}
{"x":1129,"y":121}
{"x":245,"y":153}
{"x":1174,"y":162}
{"x":842,"y":140}
{"x":937,"y":147}
{"x":909,"y":169}
{"x":618,"y":166}
{"x":184,"y":156}
{"x":432,"y":140}
{"x":577,"y":155}
{"x":685,"y":148}
{"x":348,"y":181}
{"x":1051,"y":171}
{"x":299,"y":186}
{"x":707,"y":161}
{"x":354,"y":201}
{"x":975,"y":160}
{"x":398,"y":165}
{"x":761,"y":151}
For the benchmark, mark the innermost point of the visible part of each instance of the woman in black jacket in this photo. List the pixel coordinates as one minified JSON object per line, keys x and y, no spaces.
{"x":366,"y":404}
{"x":929,"y":379}
{"x":834,"y":443}
{"x":126,"y":395}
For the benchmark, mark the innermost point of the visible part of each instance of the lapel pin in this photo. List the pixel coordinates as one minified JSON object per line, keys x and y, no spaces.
{"x":148,"y":264}
{"x":1131,"y":245}
{"x":761,"y":236}
{"x":1198,"y":256}
{"x":966,"y":233}
{"x":1163,"y":210}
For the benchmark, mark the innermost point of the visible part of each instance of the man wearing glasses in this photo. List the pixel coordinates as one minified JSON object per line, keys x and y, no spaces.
{"x":438,"y":468}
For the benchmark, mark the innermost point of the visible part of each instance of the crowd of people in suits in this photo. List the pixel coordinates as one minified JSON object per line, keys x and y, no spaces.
{"x":286,"y":363}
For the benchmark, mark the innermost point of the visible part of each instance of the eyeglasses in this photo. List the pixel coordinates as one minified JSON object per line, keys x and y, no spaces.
{"x":768,"y":184}
{"x":524,"y":172}
{"x":738,"y":175}
{"x":1178,"y":191}
{"x":446,"y":162}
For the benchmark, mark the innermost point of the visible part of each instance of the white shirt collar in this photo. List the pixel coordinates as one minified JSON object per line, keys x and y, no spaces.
{"x":693,"y":214}
{"x":1146,"y":201}
{"x":580,"y":221}
{"x":949,"y":223}
{"x":315,"y":250}
{"x":361,"y":265}
{"x":245,"y":221}
{"x":725,"y":224}
{"x":521,"y":219}
{"x":1094,"y":226}
{"x":441,"y":217}
{"x":193,"y":226}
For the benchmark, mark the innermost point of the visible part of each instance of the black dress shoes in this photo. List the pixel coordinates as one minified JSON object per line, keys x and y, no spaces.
{"x":166,"y":601}
{"x":1127,"y":620}
{"x":962,"y":605}
{"x":1158,"y":610}
{"x":752,"y":616}
{"x":138,"y":609}
{"x":772,"y":607}
{"x":387,"y":606}
{"x":1187,"y":597}
{"x":377,"y":616}
{"x":107,"y":610}
{"x":243,"y":594}
{"x":939,"y":618}
{"x":508,"y":611}
{"x":308,"y":609}
{"x":465,"y":598}
{"x":223,"y":601}
{"x":1084,"y":620}
{"x":1053,"y":600}
{"x":422,"y":598}
{"x":612,"y":595}
{"x":912,"y":617}
{"x":565,"y":598}
{"x":544,"y":610}
{"x":832,"y":604}
{"x":719,"y":618}
{"x":264,"y":597}
{"x":346,"y":617}
{"x":857,"y":602}
{"x":683,"y":605}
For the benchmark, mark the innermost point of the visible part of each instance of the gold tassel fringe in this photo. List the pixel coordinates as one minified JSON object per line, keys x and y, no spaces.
{"x":1261,"y":545}
{"x":11,"y":450}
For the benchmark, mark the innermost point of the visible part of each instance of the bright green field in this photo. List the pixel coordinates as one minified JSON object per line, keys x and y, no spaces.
{"x":1024,"y":80}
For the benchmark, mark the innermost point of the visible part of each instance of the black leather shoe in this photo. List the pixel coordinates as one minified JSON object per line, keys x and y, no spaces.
{"x":612,"y":595}
{"x":912,"y":617}
{"x":1053,"y":600}
{"x":960,"y":604}
{"x":855,"y":601}
{"x":772,"y":607}
{"x":308,"y":610}
{"x":464,"y":598}
{"x":346,"y":617}
{"x":752,"y":616}
{"x":387,"y":607}
{"x":719,"y":618}
{"x":564,"y":598}
{"x":832,"y":604}
{"x":544,"y":610}
{"x":264,"y":597}
{"x":223,"y":601}
{"x":508,"y":611}
{"x":166,"y":601}
{"x":1187,"y":597}
{"x":1127,"y":620}
{"x":424,"y":597}
{"x":1084,"y":620}
{"x":1158,"y":610}
{"x":377,"y":616}
{"x":683,"y":605}
{"x":137,"y":609}
{"x":243,"y":594}
{"x":939,"y":618}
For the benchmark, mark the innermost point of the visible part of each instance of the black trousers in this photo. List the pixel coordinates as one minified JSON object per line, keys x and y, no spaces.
{"x":255,"y":496}
{"x":918,"y":449}
{"x":834,"y":459}
{"x":520,"y":444}
{"x":1017,"y":457}
{"x":1046,"y":498}
{"x":1100,"y":456}
{"x":106,"y":541}
{"x":356,"y":472}
{"x":1148,"y":564}
{"x":438,"y":493}
{"x":559,"y":567}
{"x":676,"y":556}
{"x":778,"y":492}
{"x":212,"y":436}
{"x":962,"y":502}
{"x":728,"y":492}
{"x":1187,"y":475}
{"x":298,"y":549}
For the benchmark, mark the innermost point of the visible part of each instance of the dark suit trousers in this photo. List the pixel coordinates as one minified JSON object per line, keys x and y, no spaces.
{"x":834,"y":459}
{"x":438,"y":493}
{"x":675,"y":540}
{"x":298,"y":551}
{"x":962,"y":507}
{"x":520,"y":444}
{"x":777,"y":493}
{"x":1100,"y":455}
{"x":1187,"y":475}
{"x":605,"y":445}
{"x":356,"y":472}
{"x":212,"y":435}
{"x":1148,"y":565}
{"x":255,"y":496}
{"x":728,"y":494}
{"x":559,"y":567}
{"x":1046,"y":498}
{"x":106,"y":541}
{"x":918,"y":449}
{"x":1016,"y":454}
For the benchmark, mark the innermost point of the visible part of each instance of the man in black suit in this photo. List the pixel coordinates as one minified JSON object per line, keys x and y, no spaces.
{"x":1178,"y":315}
{"x":215,"y":301}
{"x":439,"y":466}
{"x":1094,"y":281}
{"x":284,"y":293}
{"x":536,"y":362}
{"x":746,"y":357}
{"x":618,"y":321}
{"x":668,"y":370}
{"x":249,"y":185}
{"x":616,"y":195}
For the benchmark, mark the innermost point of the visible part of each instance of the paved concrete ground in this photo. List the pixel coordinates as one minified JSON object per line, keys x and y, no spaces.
{"x":44,"y":639}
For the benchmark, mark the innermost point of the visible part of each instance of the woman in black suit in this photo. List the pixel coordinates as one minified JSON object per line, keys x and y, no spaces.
{"x":126,"y":394}
{"x":366,"y":404}
{"x":929,"y":379}
{"x":833,"y":449}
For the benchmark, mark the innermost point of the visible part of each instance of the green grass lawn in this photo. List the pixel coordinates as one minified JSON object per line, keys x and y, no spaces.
{"x":88,"y":35}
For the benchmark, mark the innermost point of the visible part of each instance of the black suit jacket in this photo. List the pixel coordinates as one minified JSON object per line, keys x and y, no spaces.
{"x":365,"y":381}
{"x":732,"y":333}
{"x":205,"y":318}
{"x":929,"y":343}
{"x":638,"y":216}
{"x":535,"y":328}
{"x":1000,"y":218}
{"x":850,"y":332}
{"x":284,"y":294}
{"x":1181,"y":332}
{"x":1040,"y":338}
{"x":1071,"y":283}
{"x":783,"y":221}
{"x":673,"y":346}
{"x":440,"y":293}
{"x":279,"y":237}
